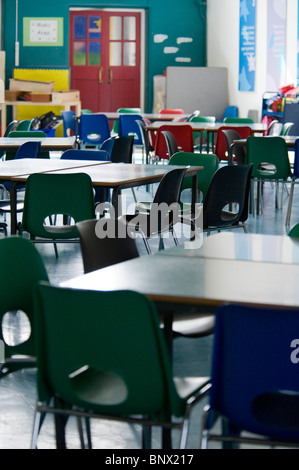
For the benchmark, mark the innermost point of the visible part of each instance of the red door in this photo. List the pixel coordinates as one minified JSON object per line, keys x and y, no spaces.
{"x":105,"y":58}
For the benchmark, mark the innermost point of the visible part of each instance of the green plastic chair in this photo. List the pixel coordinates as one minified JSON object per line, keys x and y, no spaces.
{"x":21,"y":268}
{"x":24,"y":125}
{"x":269,"y":156}
{"x":238,"y":120}
{"x":294,"y":232}
{"x":102,"y":366}
{"x":210,"y":163}
{"x":10,"y":154}
{"x":123,"y":110}
{"x":48,"y":195}
{"x":201,"y":137}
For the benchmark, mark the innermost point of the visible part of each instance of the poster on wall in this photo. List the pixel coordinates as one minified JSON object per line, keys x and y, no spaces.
{"x":276,"y":42}
{"x":247,"y":45}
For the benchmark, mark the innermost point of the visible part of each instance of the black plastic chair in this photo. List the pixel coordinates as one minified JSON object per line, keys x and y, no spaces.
{"x":171,"y":143}
{"x":229,"y":187}
{"x":29,"y":149}
{"x":100,"y":251}
{"x":147,"y":146}
{"x":235,"y":152}
{"x":164,"y":212}
{"x":122,"y":150}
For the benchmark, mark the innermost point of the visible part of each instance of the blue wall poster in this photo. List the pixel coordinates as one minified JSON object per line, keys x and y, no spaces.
{"x":247,"y":52}
{"x":276,"y":44}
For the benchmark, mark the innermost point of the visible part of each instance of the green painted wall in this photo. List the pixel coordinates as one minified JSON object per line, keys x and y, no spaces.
{"x":173,"y":18}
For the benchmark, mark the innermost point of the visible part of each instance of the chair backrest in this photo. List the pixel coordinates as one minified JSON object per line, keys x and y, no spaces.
{"x":210,"y":165}
{"x":254,"y":372}
{"x":230,"y":185}
{"x":49,"y":194}
{"x":108,"y":145}
{"x":69,"y":123}
{"x":286,"y":128}
{"x":127,"y":125}
{"x":238,"y":120}
{"x":183,"y":135}
{"x":145,"y":138}
{"x":171,"y":143}
{"x":10,"y":154}
{"x":237,"y":151}
{"x":21,"y":268}
{"x":263,"y":150}
{"x":220,"y":142}
{"x":125,"y":352}
{"x":171,"y":111}
{"x":11,"y":127}
{"x":83,"y":154}
{"x":24,"y":125}
{"x":127,"y":111}
{"x":170,"y":186}
{"x":230,"y":111}
{"x":94,"y":128}
{"x":29,"y":149}
{"x":99,"y":251}
{"x":122,"y":151}
{"x":296,"y":160}
{"x":275,"y":128}
{"x":294,"y":232}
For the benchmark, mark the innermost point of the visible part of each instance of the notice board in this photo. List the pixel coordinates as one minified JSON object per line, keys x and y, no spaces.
{"x":203,"y":88}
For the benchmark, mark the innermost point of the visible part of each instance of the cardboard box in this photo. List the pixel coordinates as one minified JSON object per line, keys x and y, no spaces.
{"x":60,"y":97}
{"x":30,"y":85}
{"x":37,"y":97}
{"x":11,"y":95}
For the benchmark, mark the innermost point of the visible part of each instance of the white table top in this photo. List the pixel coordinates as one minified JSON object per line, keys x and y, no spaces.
{"x":236,"y":245}
{"x":199,"y":282}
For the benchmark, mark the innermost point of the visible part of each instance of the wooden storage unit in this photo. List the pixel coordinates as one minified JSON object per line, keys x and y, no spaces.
{"x":60,"y":97}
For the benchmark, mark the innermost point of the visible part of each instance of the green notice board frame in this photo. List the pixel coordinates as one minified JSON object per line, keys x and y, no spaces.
{"x":45,"y":32}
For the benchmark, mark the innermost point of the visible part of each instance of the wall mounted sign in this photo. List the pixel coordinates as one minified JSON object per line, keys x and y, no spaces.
{"x":43,"y":32}
{"x":276,"y":44}
{"x":247,"y":51}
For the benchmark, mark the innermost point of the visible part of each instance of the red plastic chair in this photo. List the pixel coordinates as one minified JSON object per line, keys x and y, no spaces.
{"x":183,"y":135}
{"x":220,"y":144}
{"x":171,"y":111}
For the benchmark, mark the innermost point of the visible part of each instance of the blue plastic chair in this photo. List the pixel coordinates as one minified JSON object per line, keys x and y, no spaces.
{"x":94,"y":129}
{"x":254,"y":378}
{"x":108,"y":145}
{"x":127,"y":125}
{"x":84,"y":154}
{"x":69,"y":123}
{"x":231,"y":111}
{"x":294,"y":177}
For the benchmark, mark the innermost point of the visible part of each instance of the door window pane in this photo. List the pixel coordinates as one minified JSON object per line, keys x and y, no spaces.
{"x":94,"y":53}
{"x":129,"y":28}
{"x":130,"y":53}
{"x":79,"y":53}
{"x":115,"y":54}
{"x":80,"y":27}
{"x":115,"y":30}
{"x":95,"y":27}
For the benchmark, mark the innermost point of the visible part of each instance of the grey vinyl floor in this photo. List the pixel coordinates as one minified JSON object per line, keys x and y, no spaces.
{"x":191,"y":356}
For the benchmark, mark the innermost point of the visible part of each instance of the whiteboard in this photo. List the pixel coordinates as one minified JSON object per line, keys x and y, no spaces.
{"x":203,"y":88}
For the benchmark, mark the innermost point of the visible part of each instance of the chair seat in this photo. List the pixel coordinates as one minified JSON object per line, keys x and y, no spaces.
{"x":5,"y":206}
{"x":59,"y":229}
{"x":193,"y":326}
